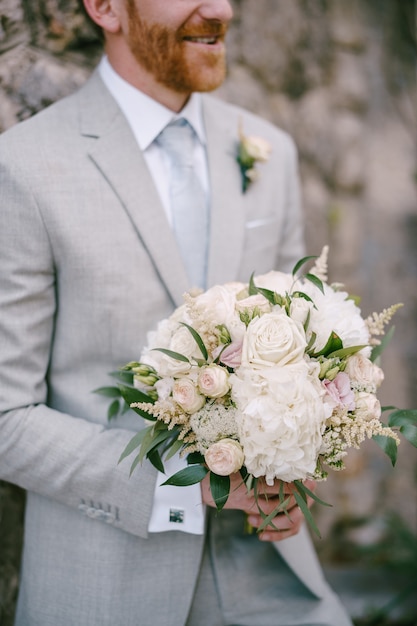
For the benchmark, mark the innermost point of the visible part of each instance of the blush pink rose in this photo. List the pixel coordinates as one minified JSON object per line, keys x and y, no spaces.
{"x":185,"y":393}
{"x":339,"y":392}
{"x":213,"y":381}
{"x":224,"y":457}
{"x":231,"y":355}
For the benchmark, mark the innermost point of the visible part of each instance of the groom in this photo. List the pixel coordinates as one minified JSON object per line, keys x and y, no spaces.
{"x":90,"y":261}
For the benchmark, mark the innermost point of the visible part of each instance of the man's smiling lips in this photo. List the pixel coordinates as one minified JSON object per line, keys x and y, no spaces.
{"x":209,"y":40}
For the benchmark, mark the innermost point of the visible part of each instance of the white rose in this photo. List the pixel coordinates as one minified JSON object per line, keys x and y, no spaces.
{"x":224,"y":457}
{"x":217,"y":305}
{"x":185,"y":393}
{"x":273,"y":339}
{"x":256,"y":147}
{"x":280,"y":419}
{"x":275,"y":281}
{"x":362,"y":371}
{"x":213,"y":381}
{"x":368,"y":406}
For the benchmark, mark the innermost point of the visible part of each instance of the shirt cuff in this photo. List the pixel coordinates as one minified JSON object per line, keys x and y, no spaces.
{"x":176,"y":508}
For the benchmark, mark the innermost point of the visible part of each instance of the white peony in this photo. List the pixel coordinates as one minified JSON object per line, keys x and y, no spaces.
{"x":273,"y":339}
{"x":280,"y":418}
{"x":335,"y":311}
{"x":275,"y":281}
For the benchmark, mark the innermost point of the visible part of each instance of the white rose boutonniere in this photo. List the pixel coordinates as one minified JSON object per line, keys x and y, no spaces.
{"x":251,"y":149}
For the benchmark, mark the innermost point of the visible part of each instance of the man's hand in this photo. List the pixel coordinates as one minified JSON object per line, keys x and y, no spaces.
{"x":268,"y":499}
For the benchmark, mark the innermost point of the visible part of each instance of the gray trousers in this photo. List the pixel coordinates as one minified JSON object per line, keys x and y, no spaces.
{"x":245,"y":582}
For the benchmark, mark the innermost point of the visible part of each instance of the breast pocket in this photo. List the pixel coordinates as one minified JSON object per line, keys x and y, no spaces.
{"x":262,"y":239}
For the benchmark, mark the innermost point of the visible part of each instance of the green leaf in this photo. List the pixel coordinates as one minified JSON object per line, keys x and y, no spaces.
{"x":155,"y":459}
{"x":302,"y":262}
{"x":316,"y":281}
{"x":220,"y":489}
{"x":195,"y":458}
{"x":272,"y":296}
{"x":188,"y":476}
{"x":174,"y":448}
{"x":174,"y":355}
{"x":134,"y":443}
{"x":123,"y":376}
{"x":333,"y":344}
{"x":301,"y":501}
{"x":252,"y":289}
{"x":109,"y":392}
{"x":198,"y":340}
{"x":409,"y":431}
{"x":113,"y":410}
{"x":346,"y":351}
{"x":135,"y":463}
{"x":378,"y":350}
{"x":388,"y":445}
{"x":131,"y":394}
{"x":403,"y":417}
{"x":302,"y":488}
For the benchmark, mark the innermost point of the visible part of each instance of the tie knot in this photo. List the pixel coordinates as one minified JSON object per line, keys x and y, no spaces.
{"x":177,"y":139}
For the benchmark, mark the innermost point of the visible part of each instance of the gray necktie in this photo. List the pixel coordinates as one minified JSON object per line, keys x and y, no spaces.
{"x":189,"y":208}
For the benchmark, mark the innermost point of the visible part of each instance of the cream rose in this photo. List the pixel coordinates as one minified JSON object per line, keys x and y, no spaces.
{"x":363,"y":372}
{"x":186,"y":394}
{"x":256,"y":147}
{"x":224,"y":457}
{"x":258,"y":302}
{"x":213,"y":381}
{"x":273,"y":339}
{"x":368,"y":406}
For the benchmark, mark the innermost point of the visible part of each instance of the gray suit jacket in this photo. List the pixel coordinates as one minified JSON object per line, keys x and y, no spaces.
{"x":88,"y":264}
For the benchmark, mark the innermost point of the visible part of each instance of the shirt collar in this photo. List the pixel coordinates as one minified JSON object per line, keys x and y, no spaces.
{"x":137,"y":107}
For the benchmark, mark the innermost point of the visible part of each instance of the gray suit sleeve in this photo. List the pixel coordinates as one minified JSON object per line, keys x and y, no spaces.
{"x":60,"y":456}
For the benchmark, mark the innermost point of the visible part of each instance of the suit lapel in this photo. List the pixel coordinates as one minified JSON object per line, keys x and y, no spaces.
{"x":227,"y":219}
{"x":116,"y":154}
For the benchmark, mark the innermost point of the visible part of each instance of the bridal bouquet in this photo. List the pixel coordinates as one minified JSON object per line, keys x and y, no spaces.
{"x":275,"y":378}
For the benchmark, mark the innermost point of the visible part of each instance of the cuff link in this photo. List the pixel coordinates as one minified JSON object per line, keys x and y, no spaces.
{"x":176,"y":516}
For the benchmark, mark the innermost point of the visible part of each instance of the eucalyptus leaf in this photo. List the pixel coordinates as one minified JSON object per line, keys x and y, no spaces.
{"x":306,"y":491}
{"x":155,"y":458}
{"x":302,"y":262}
{"x":174,"y":448}
{"x":108,"y":392}
{"x":220,"y":489}
{"x":113,"y":410}
{"x":123,"y":376}
{"x":306,"y":512}
{"x":134,"y":443}
{"x":198,"y":340}
{"x":135,"y":463}
{"x":345,"y":352}
{"x":271,"y":296}
{"x":131,"y":394}
{"x":316,"y":281}
{"x":388,"y":445}
{"x":195,"y":458}
{"x":188,"y":476}
{"x":174,"y":355}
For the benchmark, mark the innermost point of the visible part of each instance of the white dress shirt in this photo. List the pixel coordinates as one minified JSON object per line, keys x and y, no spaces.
{"x":174,"y":508}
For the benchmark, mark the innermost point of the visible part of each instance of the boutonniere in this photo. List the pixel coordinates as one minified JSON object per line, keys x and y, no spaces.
{"x":250,"y":150}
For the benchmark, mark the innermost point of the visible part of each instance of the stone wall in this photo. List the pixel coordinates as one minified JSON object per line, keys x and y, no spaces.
{"x":340,"y":77}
